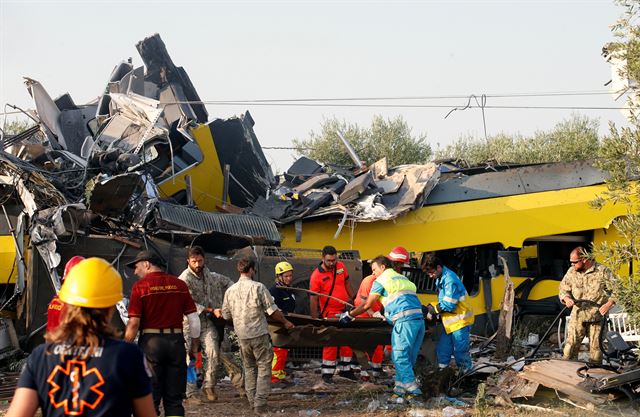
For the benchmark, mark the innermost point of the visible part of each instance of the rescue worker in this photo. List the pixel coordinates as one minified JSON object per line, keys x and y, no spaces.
{"x":157,"y":304}
{"x":245,"y":303}
{"x":585,"y":280}
{"x":207,"y":289}
{"x":286,"y":302}
{"x":331,"y":278}
{"x":376,"y":358}
{"x":456,"y":314}
{"x":399,"y":256}
{"x":83,"y":369}
{"x":54,"y":310}
{"x":403,"y":310}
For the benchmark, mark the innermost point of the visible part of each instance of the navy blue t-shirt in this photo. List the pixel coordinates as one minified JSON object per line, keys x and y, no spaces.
{"x":284,"y":299}
{"x":105,"y":384}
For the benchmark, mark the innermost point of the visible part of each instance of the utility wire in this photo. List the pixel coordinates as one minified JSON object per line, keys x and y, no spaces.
{"x":285,"y":147}
{"x":435,"y":97}
{"x":320,"y":100}
{"x":391,"y":106}
{"x":417,"y":106}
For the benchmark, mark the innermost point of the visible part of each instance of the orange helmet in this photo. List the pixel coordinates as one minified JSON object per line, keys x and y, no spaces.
{"x":70,"y":264}
{"x":399,"y":254}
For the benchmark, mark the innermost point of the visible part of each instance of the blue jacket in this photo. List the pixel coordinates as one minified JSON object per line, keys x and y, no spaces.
{"x":452,"y":302}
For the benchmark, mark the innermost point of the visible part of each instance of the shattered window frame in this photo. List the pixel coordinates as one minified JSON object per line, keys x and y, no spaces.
{"x":163,"y":175}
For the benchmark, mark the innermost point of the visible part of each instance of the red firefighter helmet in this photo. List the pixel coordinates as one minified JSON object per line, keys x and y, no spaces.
{"x":70,"y":264}
{"x":399,"y":254}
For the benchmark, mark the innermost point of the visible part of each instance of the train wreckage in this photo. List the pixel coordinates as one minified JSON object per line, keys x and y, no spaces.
{"x":143,"y":167}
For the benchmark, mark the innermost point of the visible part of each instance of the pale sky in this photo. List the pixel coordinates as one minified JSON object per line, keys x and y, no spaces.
{"x":248,"y":50}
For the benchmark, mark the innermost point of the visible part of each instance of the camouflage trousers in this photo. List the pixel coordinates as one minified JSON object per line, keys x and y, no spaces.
{"x":210,"y":342}
{"x":575,"y":334}
{"x":257,"y":355}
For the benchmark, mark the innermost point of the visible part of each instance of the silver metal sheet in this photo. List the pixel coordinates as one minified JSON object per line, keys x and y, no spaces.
{"x":230,"y":224}
{"x":457,"y":187}
{"x":48,"y":112}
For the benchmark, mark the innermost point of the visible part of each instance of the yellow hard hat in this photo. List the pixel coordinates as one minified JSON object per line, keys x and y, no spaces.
{"x":92,"y":283}
{"x":283,"y":267}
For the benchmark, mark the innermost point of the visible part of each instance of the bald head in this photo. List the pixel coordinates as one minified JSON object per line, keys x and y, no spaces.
{"x":579,"y":259}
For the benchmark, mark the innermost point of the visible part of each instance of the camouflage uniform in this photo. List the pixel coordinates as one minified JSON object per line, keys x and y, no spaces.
{"x":248,"y":303}
{"x":592,"y":285}
{"x":208,"y":292}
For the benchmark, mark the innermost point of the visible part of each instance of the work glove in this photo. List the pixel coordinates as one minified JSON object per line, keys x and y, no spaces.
{"x":377,"y":315}
{"x":431,"y":312}
{"x":344,"y":319}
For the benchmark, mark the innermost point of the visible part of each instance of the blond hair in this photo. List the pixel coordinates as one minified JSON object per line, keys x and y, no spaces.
{"x":82,"y":327}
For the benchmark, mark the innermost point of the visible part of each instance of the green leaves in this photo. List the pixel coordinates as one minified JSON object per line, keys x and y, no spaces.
{"x":392,"y":138}
{"x":620,"y":156}
{"x":570,"y":140}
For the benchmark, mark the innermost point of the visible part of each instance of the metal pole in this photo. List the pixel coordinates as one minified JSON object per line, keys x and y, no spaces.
{"x":352,"y":153}
{"x":187,"y":183}
{"x":225,"y":184}
{"x":317,"y":293}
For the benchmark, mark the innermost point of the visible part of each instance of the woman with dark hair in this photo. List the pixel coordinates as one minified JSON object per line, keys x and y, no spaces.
{"x":83,"y":369}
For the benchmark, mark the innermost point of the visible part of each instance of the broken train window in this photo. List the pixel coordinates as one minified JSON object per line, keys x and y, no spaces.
{"x":165,"y":159}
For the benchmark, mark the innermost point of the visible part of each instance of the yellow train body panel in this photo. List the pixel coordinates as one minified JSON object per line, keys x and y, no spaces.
{"x":506,"y":220}
{"x":207,"y":179}
{"x":543,"y":290}
{"x":8,"y":267}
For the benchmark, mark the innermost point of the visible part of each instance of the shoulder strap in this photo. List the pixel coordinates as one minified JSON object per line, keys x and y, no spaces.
{"x":333,"y":284}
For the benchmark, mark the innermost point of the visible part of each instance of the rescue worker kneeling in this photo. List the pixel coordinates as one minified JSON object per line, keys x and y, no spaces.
{"x":457,"y":316}
{"x":402,"y":308}
{"x":83,"y":369}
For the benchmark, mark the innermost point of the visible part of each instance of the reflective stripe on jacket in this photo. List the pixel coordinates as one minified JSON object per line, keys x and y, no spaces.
{"x":454,"y":309}
{"x":398,"y":296}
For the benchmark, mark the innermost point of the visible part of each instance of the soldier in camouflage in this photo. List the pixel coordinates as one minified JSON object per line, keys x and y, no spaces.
{"x":585,"y":280}
{"x":207,"y":290}
{"x":248,"y":303}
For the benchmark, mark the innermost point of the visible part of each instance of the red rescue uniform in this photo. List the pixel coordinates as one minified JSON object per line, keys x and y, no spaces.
{"x":54,"y":313}
{"x":375,"y":360}
{"x":363,"y":294}
{"x":322,"y":281}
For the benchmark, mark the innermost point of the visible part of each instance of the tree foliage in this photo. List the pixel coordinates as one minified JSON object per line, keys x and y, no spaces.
{"x":392,"y":138}
{"x":570,"y":140}
{"x":16,"y":126}
{"x":620,"y":156}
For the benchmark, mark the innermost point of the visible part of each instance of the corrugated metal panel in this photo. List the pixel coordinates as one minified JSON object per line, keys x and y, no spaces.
{"x":231,"y":224}
{"x":521,"y":180}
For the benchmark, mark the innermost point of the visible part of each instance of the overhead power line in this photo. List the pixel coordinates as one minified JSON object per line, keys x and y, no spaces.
{"x":361,"y":102}
{"x":415,"y":106}
{"x":432,"y":97}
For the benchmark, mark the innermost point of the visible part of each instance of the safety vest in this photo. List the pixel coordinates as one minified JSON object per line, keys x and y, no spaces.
{"x":400,"y":300}
{"x":451,"y":291}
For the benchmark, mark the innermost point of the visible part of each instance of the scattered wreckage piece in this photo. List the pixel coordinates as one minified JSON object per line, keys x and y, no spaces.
{"x":308,"y":190}
{"x":236,"y":145}
{"x":504,"y":338}
{"x":215,"y":232}
{"x":509,"y":384}
{"x":162,"y":71}
{"x":364,"y":334}
{"x":8,"y":338}
{"x":8,"y":384}
{"x":562,"y":376}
